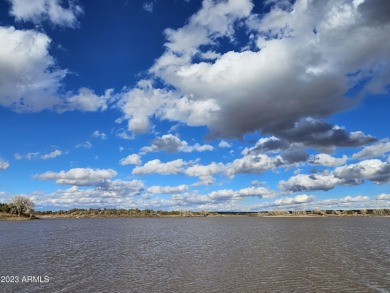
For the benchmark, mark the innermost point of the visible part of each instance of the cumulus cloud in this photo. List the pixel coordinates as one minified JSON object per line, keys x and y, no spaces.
{"x":86,"y":100}
{"x":99,"y":135}
{"x":383,"y":196}
{"x":140,"y":103}
{"x":320,"y":134}
{"x":229,"y":194}
{"x":222,"y":196}
{"x":253,"y":164}
{"x":86,"y":145}
{"x":289,"y":153}
{"x":289,"y":70}
{"x":345,"y":202}
{"x":120,"y":188}
{"x":297,"y":200}
{"x":3,"y":164}
{"x":267,"y":144}
{"x":304,"y":182}
{"x":373,"y":151}
{"x":205,"y":172}
{"x":51,"y":155}
{"x":111,"y":193}
{"x":133,"y":159}
{"x":38,"y":11}
{"x":224,"y":144}
{"x":327,"y":160}
{"x":79,"y":176}
{"x":308,"y":202}
{"x":250,"y":163}
{"x":373,"y":170}
{"x":173,"y":144}
{"x":212,"y":21}
{"x":29,"y":79}
{"x":294,"y":154}
{"x":167,"y":189}
{"x":158,"y":167}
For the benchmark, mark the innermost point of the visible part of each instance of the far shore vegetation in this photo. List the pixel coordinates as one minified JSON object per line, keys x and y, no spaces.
{"x":21,"y":208}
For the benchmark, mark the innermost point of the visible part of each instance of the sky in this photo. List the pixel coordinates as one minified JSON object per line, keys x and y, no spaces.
{"x":230,"y":105}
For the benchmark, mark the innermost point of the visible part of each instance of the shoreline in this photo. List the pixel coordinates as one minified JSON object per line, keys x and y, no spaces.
{"x":48,"y":217}
{"x":9,"y":217}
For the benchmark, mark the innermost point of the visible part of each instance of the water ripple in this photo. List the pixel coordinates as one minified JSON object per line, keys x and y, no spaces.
{"x":198,"y":255}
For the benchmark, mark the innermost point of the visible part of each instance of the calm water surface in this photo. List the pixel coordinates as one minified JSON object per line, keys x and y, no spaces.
{"x":197,"y":255}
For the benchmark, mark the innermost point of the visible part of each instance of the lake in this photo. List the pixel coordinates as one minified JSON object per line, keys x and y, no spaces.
{"x":228,"y":254}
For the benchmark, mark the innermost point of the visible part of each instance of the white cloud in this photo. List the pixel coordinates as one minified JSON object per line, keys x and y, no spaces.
{"x":157,"y":167}
{"x":140,"y":103}
{"x":205,"y":172}
{"x":297,"y":200}
{"x":383,"y":196}
{"x":51,"y":155}
{"x":79,"y":176}
{"x":36,"y":155}
{"x":115,"y":193}
{"x":28,"y":156}
{"x":213,"y":20}
{"x":307,"y":202}
{"x":229,"y":194}
{"x":304,"y":182}
{"x":327,"y":160}
{"x":222,"y":197}
{"x":253,"y":164}
{"x":148,"y":6}
{"x":18,"y":156}
{"x":31,"y":156}
{"x":345,"y":202}
{"x":133,"y":159}
{"x":40,"y":10}
{"x":120,"y":188}
{"x":100,"y":135}
{"x":373,"y":170}
{"x":167,"y":189}
{"x":267,"y":144}
{"x":173,"y":144}
{"x":29,"y":80}
{"x":354,"y":174}
{"x":86,"y":145}
{"x":3,"y":164}
{"x":290,"y":56}
{"x":87,"y":100}
{"x":373,"y":151}
{"x":123,"y":134}
{"x":224,"y":144}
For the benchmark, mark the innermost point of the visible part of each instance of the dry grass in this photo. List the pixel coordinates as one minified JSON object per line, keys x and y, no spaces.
{"x":11,"y":217}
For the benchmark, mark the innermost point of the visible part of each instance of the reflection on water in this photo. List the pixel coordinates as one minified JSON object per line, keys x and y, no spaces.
{"x":198,"y":255}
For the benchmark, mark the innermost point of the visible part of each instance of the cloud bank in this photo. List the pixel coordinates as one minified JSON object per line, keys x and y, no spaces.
{"x":299,"y":63}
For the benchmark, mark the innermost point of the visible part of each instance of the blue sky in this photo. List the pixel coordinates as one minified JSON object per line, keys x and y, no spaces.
{"x":195,"y":105}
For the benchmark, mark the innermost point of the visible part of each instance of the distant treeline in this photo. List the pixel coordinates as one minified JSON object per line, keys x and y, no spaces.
{"x":112,"y":213}
{"x":373,"y":212}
